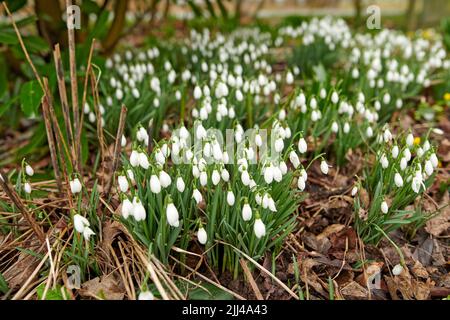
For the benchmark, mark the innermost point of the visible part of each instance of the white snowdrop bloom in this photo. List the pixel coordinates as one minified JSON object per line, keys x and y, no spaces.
{"x":434,"y":160}
{"x":277,"y":174}
{"x":314,"y":116}
{"x":282,"y":115}
{"x":134,"y":158}
{"x":87,"y":233}
{"x":155,"y":184}
{"x":239,"y":96}
{"x":127,"y":208}
{"x":369,"y":132}
{"x":172,"y":215}
{"x":346,"y":128}
{"x":334,"y":127}
{"x":130,"y":175}
{"x":197,"y":196}
{"x":395,"y":152}
{"x":265,"y":200}
{"x":215,"y":177}
{"x":334,"y":97}
{"x":203,"y":178}
{"x":399,"y":103}
{"x":143,"y":161}
{"x":268,"y":174}
{"x":246,"y":212}
{"x":180,"y":184}
{"x":259,"y":228}
{"x":258,"y":199}
{"x":397,"y":270}
{"x":27,"y":187}
{"x":80,"y":223}
{"x":303,"y":174}
{"x":225,"y":175}
{"x":289,"y":78}
{"x":119,"y":94}
{"x":29,"y":170}
{"x":294,"y":159}
{"x":407,"y":154}
{"x":403,"y":163}
{"x":123,"y":183}
{"x":164,"y":179}
{"x":258,"y":140}
{"x":123,"y":141}
{"x":354,"y":191}
{"x":245,"y":178}
{"x":302,"y":146}
{"x":323,"y":93}
{"x":313,"y":103}
{"x":426,"y":146}
{"x":398,"y":180}
{"x":279,"y":145}
{"x":207,"y":150}
{"x":429,"y":167}
{"x":135,"y":93}
{"x":300,"y":100}
{"x":200,"y":132}
{"x":419,"y":152}
{"x":75,"y":185}
{"x":324,"y":167}
{"x":301,"y":184}
{"x":202,"y":236}
{"x":387,"y":135}
{"x":178,"y":95}
{"x":283,"y":167}
{"x":230,"y":198}
{"x":355,"y":73}
{"x":416,"y":183}
{"x":410,"y":140}
{"x":384,"y":207}
{"x":146,"y":295}
{"x":384,"y":161}
{"x":197,"y":93}
{"x":217,"y":151}
{"x":91,"y":117}
{"x":195,"y":171}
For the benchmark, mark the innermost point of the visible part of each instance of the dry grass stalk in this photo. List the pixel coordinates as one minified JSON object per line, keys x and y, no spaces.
{"x":251,"y":280}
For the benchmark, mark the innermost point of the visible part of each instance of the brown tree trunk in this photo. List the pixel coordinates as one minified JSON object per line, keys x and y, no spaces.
{"x":115,"y":31}
{"x":49,"y":21}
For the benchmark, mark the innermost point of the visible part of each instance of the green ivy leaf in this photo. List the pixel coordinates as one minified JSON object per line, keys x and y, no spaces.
{"x":30,"y":98}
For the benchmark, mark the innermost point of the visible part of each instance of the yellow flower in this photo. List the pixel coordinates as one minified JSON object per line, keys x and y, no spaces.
{"x":417,"y":141}
{"x":447,"y":96}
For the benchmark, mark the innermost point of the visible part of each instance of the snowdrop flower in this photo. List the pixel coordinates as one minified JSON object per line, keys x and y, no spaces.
{"x":172,"y":215}
{"x":75,"y":185}
{"x":268,"y":174}
{"x":245,"y":178}
{"x":410,"y":140}
{"x":407,"y":154}
{"x":397,"y":270}
{"x":197,"y":93}
{"x":301,"y":184}
{"x":155,"y":184}
{"x":398,"y":180}
{"x":197,"y":196}
{"x":384,"y":161}
{"x":324,"y":166}
{"x":123,"y":183}
{"x":143,"y":161}
{"x":142,"y":134}
{"x":27,"y":187}
{"x":395,"y":152}
{"x":225,"y":175}
{"x":289,"y":78}
{"x":428,"y":167}
{"x":87,"y":233}
{"x":130,"y":175}
{"x":246,"y":211}
{"x":215,"y":177}
{"x":384,"y":207}
{"x":203,"y":178}
{"x":403,"y":163}
{"x":294,"y":159}
{"x":127,"y":208}
{"x":354,"y":191}
{"x":346,"y":128}
{"x":279,"y":145}
{"x":230,"y":198}
{"x":123,"y":141}
{"x":434,"y":160}
{"x":29,"y":170}
{"x":180,"y":184}
{"x":419,"y":152}
{"x":146,"y":295}
{"x":201,"y":235}
{"x":134,"y":158}
{"x":164,"y":179}
{"x":277,"y":174}
{"x":369,"y":132}
{"x":387,"y":135}
{"x":259,"y":228}
{"x":80,"y":223}
{"x":139,"y":213}
{"x":334,"y":97}
{"x":416,"y":183}
{"x":302,"y":146}
{"x":258,"y":140}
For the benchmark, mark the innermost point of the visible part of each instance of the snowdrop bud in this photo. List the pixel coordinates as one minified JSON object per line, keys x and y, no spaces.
{"x":29,"y":170}
{"x":384,"y":207}
{"x":130,"y":175}
{"x":301,"y":183}
{"x":434,"y":160}
{"x":202,"y":236}
{"x":180,"y":184}
{"x":197,"y":93}
{"x":387,"y":135}
{"x":123,"y":141}
{"x":134,"y":158}
{"x":334,"y":127}
{"x":75,"y":185}
{"x":279,"y":145}
{"x":246,"y":212}
{"x":80,"y":223}
{"x":258,"y":140}
{"x":283,"y":167}
{"x":428,"y":167}
{"x":369,"y":132}
{"x":139,"y":213}
{"x":143,"y":161}
{"x":203,"y":178}
{"x":289,"y":78}
{"x":268,"y":175}
{"x":172,"y":215}
{"x":334,"y":97}
{"x":277,"y":174}
{"x":415,"y":185}
{"x":304,"y":175}
{"x":294,"y":159}
{"x":410,"y":140}
{"x":302,"y":146}
{"x":155,"y":184}
{"x":271,"y":204}
{"x":354,"y":191}
{"x":259,"y":228}
{"x":197,"y":196}
{"x":245,"y":178}
{"x":127,"y":209}
{"x":386,"y":98}
{"x":230,"y":198}
{"x":395,"y":152}
{"x":346,"y":128}
{"x":27,"y":187}
{"x":164,"y":179}
{"x":419,"y":152}
{"x":87,"y":233}
{"x":225,"y":175}
{"x":384,"y":161}
{"x":426,"y":146}
{"x":398,"y":180}
{"x":146,"y":295}
{"x":324,"y":167}
{"x":397,"y":270}
{"x":123,"y":183}
{"x":407,"y":154}
{"x":403,"y":163}
{"x":215,"y":177}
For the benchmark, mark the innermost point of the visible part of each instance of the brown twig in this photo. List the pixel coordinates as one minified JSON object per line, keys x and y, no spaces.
{"x":12,"y":194}
{"x":117,"y":148}
{"x":250,"y":280}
